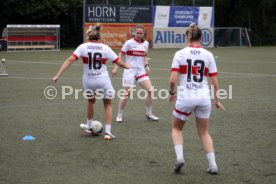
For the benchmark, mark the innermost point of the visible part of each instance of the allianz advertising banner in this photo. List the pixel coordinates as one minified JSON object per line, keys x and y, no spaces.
{"x":174,"y":37}
{"x":171,"y":22}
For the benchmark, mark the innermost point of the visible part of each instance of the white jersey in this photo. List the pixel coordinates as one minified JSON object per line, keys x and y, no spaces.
{"x":135,"y":51}
{"x":194,"y":64}
{"x":95,"y":56}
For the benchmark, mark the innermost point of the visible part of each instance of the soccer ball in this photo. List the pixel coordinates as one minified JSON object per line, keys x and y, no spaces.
{"x":97,"y":128}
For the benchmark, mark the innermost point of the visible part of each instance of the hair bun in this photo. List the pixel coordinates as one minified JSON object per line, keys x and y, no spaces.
{"x":98,"y":26}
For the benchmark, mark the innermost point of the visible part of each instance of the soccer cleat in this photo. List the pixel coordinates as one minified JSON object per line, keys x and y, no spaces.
{"x":178,"y":165}
{"x":86,"y":130}
{"x":152,"y":117}
{"x":108,"y":136}
{"x":212,"y":170}
{"x":119,"y":119}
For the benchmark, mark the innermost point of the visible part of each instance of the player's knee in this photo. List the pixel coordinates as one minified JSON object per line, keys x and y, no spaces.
{"x":177,"y":128}
{"x":91,"y":100}
{"x":126,"y":94}
{"x":149,"y":91}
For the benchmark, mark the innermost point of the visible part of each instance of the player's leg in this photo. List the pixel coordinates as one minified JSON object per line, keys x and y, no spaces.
{"x":123,"y":103}
{"x":128,"y":83}
{"x":177,"y":137}
{"x":90,"y":95}
{"x":108,"y":119}
{"x":181,"y":114}
{"x":90,"y":114}
{"x":145,"y":83}
{"x":202,"y":120}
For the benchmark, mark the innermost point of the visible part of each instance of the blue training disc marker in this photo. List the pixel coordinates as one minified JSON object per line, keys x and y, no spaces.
{"x":28,"y":138}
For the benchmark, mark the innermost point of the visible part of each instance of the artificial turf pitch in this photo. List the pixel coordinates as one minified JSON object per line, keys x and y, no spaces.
{"x":244,"y":136}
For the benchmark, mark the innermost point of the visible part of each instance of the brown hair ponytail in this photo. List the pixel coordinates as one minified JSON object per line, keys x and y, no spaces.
{"x":93,"y":32}
{"x":194,"y":33}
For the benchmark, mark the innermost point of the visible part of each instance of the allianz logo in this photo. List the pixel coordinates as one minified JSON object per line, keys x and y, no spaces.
{"x":207,"y":37}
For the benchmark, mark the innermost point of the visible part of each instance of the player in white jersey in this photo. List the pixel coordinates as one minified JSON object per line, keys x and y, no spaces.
{"x":96,"y":79}
{"x":136,"y":50}
{"x":194,"y":64}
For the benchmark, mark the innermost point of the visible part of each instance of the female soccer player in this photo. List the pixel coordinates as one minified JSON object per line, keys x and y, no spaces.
{"x":194,"y":64}
{"x":94,"y":55}
{"x":136,"y":50}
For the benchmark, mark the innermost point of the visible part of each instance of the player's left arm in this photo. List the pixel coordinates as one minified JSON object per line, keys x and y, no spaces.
{"x":214,"y":82}
{"x":146,"y":60}
{"x":146,"y":63}
{"x":174,"y":75}
{"x":213,"y":72}
{"x":65,"y":65}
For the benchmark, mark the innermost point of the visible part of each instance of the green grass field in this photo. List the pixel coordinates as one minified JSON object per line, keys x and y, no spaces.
{"x":244,"y":136}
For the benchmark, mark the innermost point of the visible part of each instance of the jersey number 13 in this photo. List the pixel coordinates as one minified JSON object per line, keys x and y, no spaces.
{"x":198,"y":67}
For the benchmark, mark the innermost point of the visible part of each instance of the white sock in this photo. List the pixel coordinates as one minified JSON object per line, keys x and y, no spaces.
{"x":120,"y":113}
{"x":211,"y":160}
{"x":108,"y":129}
{"x":149,"y":110}
{"x":89,"y":123}
{"x":179,"y":152}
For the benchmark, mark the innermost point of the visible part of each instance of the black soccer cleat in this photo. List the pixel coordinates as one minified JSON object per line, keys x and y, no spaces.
{"x":178,"y":166}
{"x":212,"y":171}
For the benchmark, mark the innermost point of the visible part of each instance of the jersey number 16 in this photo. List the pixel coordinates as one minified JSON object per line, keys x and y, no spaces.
{"x":97,"y":60}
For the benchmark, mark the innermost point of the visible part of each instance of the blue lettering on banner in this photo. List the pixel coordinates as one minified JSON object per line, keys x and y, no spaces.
{"x":206,"y":38}
{"x":169,"y":37}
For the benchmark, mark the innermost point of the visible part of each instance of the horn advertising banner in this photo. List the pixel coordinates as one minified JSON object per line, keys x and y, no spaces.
{"x":118,"y":22}
{"x":117,"y":14}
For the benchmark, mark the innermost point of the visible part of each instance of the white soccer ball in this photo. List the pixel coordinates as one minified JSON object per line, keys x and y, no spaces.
{"x":97,"y":128}
{"x":3,"y":60}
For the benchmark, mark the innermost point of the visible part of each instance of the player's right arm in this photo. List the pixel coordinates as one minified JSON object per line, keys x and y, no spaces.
{"x":174,"y":76}
{"x":77,"y":53}
{"x":65,"y":65}
{"x":116,"y":67}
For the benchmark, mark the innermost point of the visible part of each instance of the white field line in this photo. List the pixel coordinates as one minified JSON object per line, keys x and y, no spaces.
{"x":82,"y":102}
{"x":152,"y":78}
{"x":153,"y":69}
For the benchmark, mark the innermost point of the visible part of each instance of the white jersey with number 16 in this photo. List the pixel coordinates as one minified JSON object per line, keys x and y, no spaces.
{"x":95,"y":56}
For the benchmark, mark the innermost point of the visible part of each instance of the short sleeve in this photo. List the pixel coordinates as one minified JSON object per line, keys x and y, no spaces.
{"x":212,"y":67}
{"x":175,"y":63}
{"x":78,"y":52}
{"x":146,"y":47}
{"x":111,"y":55}
{"x":125,"y":47}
